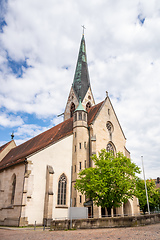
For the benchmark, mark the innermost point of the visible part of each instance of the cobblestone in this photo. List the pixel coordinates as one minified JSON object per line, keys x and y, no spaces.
{"x":150,"y":232}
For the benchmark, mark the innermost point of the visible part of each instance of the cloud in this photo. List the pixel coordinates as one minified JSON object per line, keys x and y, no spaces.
{"x":39,"y":44}
{"x":7,"y":120}
{"x":27,"y":131}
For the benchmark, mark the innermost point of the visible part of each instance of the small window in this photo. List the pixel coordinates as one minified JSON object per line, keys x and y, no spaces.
{"x":75,"y":148}
{"x":13,"y":188}
{"x":80,"y":199}
{"x":85,"y":163}
{"x":80,"y":146}
{"x":75,"y":134}
{"x":80,"y":165}
{"x":74,"y":168}
{"x":88,"y":105}
{"x":74,"y":202}
{"x":109,"y":112}
{"x":80,"y":116}
{"x":72,"y":109}
{"x":84,"y":117}
{"x":85,"y":145}
{"x":75,"y":117}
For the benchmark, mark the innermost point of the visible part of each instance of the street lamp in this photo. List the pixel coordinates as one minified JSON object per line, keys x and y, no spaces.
{"x":145,"y":185}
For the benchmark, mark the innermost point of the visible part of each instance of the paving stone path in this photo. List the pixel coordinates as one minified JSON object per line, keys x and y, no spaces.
{"x":150,"y":232}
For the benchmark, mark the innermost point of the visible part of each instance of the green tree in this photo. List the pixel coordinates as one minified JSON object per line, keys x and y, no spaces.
{"x":111,"y":182}
{"x":153,"y":195}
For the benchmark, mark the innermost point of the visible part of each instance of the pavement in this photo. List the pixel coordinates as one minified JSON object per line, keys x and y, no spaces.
{"x":148,"y":232}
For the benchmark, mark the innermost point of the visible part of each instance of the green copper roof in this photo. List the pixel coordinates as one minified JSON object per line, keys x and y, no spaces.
{"x":80,"y":107}
{"x":81,"y":80}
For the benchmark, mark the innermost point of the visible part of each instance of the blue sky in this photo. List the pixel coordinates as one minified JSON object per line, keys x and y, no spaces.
{"x":39,"y":44}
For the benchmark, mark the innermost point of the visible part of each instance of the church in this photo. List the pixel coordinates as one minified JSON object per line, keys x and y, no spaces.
{"x":37,"y":177}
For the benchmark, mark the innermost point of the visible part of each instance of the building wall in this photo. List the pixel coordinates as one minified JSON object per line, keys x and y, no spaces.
{"x":100,"y":133}
{"x":100,"y":137}
{"x":10,"y":212}
{"x":59,"y":158}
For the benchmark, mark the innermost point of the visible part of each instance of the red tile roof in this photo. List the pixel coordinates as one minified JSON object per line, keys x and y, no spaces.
{"x":19,"y":153}
{"x":92,"y":112}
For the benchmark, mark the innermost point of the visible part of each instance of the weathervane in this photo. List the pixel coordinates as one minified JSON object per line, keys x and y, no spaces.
{"x":12,"y":135}
{"x":83,"y":28}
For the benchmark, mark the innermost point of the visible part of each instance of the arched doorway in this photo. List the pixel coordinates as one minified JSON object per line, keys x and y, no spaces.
{"x":127,"y":209}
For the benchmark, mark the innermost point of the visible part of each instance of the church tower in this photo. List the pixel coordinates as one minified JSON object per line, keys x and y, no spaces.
{"x":80,"y":154}
{"x":81,"y":88}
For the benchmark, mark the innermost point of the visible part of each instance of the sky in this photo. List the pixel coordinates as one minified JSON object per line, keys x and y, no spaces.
{"x":39,"y":44}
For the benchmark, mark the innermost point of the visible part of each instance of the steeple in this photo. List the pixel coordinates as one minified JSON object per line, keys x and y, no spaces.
{"x":81,"y":89}
{"x":81,"y":81}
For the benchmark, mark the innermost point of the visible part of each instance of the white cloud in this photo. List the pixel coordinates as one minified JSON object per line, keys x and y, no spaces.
{"x":7,"y":120}
{"x":123,"y":56}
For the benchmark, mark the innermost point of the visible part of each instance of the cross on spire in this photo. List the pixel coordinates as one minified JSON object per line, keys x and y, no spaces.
{"x":83,"y":28}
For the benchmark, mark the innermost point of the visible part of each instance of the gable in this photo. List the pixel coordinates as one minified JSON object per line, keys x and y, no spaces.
{"x":6,"y":148}
{"x":104,"y":136}
{"x":111,"y":109}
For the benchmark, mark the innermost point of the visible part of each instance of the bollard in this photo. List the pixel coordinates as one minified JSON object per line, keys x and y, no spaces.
{"x":44,"y":227}
{"x":35,"y":225}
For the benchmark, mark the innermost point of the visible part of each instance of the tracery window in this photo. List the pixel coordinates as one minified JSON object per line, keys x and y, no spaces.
{"x":110,"y":148}
{"x":110,"y":129}
{"x":62,"y":185}
{"x":72,"y":109}
{"x":13,"y":188}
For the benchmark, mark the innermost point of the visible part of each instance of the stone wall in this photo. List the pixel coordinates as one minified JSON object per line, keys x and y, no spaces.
{"x":10,"y":211}
{"x":108,"y":222}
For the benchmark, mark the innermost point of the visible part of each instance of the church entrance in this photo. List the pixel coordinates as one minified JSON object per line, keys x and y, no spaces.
{"x":127,"y":210}
{"x":89,"y":205}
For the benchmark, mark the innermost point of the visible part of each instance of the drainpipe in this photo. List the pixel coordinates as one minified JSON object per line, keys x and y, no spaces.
{"x":89,"y":134}
{"x":89,"y":146}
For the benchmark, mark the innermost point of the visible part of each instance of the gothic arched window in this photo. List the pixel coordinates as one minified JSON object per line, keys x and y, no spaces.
{"x":62,"y":186}
{"x":88,"y":105}
{"x":110,"y":148}
{"x":72,"y":109}
{"x":13,"y":188}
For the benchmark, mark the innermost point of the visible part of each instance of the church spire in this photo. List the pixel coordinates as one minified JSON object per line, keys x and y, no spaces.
{"x":81,"y":88}
{"x":81,"y":81}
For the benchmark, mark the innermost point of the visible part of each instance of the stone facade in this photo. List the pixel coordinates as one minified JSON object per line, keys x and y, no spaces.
{"x":10,"y":206}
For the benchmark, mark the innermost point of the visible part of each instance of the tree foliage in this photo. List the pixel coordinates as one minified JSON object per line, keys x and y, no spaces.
{"x":153,"y":195}
{"x":111,"y":182}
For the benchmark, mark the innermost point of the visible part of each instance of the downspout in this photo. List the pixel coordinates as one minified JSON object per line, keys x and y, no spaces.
{"x":89,"y":146}
{"x":71,"y":187}
{"x":89,"y":134}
